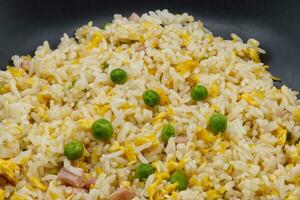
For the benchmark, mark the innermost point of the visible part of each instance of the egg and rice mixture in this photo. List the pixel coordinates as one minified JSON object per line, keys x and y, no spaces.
{"x":54,"y":97}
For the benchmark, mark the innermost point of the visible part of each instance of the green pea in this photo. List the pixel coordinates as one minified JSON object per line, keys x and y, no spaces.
{"x":179,"y":177}
{"x":167,"y":132}
{"x":151,"y":98}
{"x":217,"y":123}
{"x":199,"y":93}
{"x":143,"y":171}
{"x":73,"y":150}
{"x":118,"y":76}
{"x":102,"y":129}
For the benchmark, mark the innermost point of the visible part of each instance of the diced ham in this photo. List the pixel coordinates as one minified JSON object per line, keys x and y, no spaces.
{"x":134,"y":17}
{"x":181,"y":139}
{"x":90,"y":182}
{"x":141,"y":48}
{"x":69,"y":178}
{"x":122,"y":194}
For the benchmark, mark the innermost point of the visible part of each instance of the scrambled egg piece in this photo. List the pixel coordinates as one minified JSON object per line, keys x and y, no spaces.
{"x":98,"y":170}
{"x":254,"y":55}
{"x":222,"y":146}
{"x":29,"y":83}
{"x":158,"y":196}
{"x":188,"y":65}
{"x":281,"y":135}
{"x":249,"y":53}
{"x":159,"y":117}
{"x":4,"y":88}
{"x":152,"y":71}
{"x":23,"y":161}
{"x":41,"y":111}
{"x":194,"y":181}
{"x":174,"y":195}
{"x":85,"y":124}
{"x":82,"y":165}
{"x":7,"y":168}
{"x":249,"y":99}
{"x":205,"y":183}
{"x":212,"y":194}
{"x":53,"y":192}
{"x":149,"y":138}
{"x":152,"y":189}
{"x":150,"y":25}
{"x":164,"y":99}
{"x":213,"y":90}
{"x":259,"y":93}
{"x":210,"y":37}
{"x":44,"y":98}
{"x":170,"y":83}
{"x":126,"y":184}
{"x":95,"y":156}
{"x":2,"y":194}
{"x":128,"y":151}
{"x":170,"y":188}
{"x":101,"y":109}
{"x":294,"y":156}
{"x":192,"y":80}
{"x":215,"y":107}
{"x":116,"y":147}
{"x":15,"y":72}
{"x":130,"y":154}
{"x":37,"y":183}
{"x":95,"y":41}
{"x":172,"y":165}
{"x":260,"y":70}
{"x":154,"y":44}
{"x":205,"y":135}
{"x":296,"y":115}
{"x":163,"y":115}
{"x":185,"y":38}
{"x":125,"y":106}
{"x":75,"y":61}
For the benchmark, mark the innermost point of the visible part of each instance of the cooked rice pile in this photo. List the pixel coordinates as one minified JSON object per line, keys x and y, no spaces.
{"x":53,"y":97}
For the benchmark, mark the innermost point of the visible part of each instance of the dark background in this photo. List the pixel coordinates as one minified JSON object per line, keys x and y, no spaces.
{"x":25,"y":24}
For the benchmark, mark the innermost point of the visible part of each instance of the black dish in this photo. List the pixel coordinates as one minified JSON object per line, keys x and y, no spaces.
{"x":25,"y":24}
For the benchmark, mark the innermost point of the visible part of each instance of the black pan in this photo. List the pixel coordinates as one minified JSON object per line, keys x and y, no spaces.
{"x":25,"y":24}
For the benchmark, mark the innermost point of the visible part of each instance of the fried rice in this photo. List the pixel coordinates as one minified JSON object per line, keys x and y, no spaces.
{"x":54,"y":96}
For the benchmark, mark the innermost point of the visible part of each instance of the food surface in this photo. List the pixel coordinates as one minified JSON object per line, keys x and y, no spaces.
{"x":147,"y":107}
